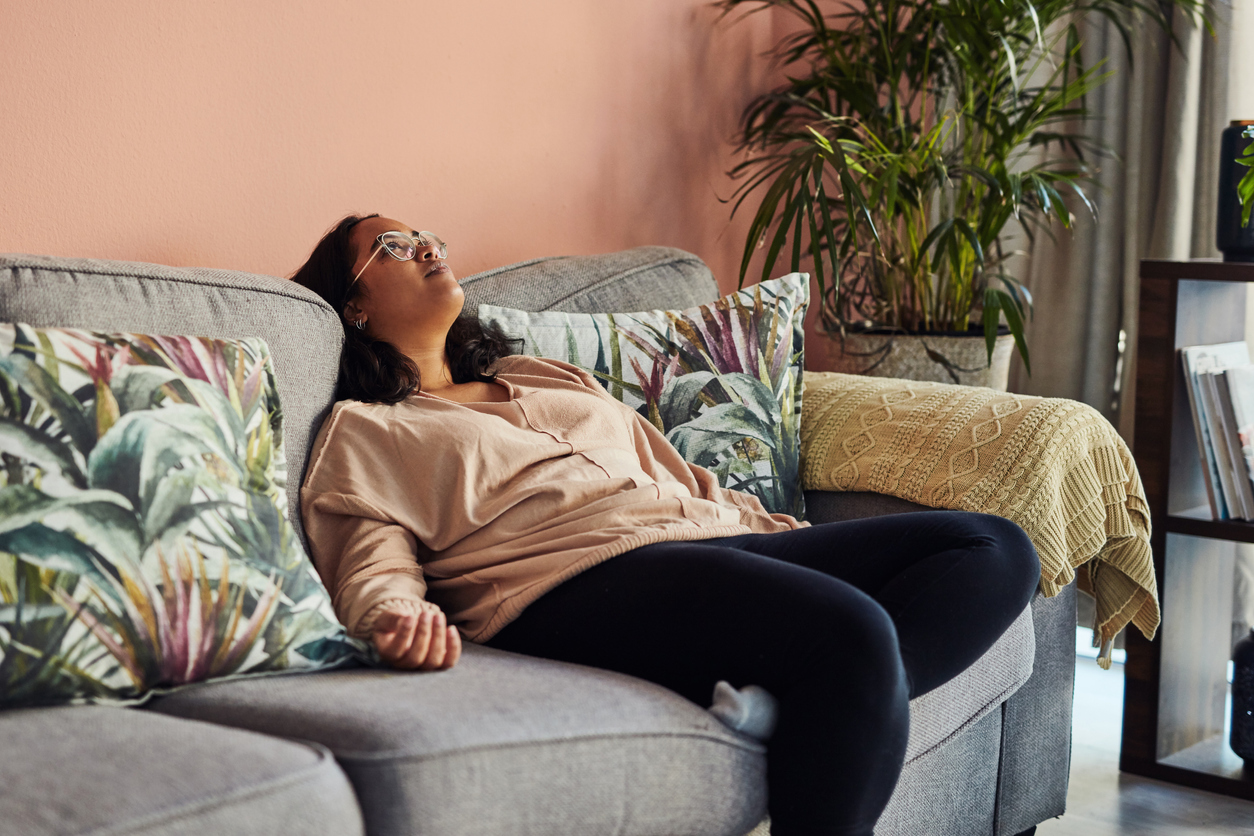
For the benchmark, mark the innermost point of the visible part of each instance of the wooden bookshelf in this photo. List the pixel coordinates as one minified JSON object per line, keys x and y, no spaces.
{"x":1175,"y":691}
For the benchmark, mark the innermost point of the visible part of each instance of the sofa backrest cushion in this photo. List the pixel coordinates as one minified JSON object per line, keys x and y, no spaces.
{"x":639,"y":279}
{"x":303,"y":333}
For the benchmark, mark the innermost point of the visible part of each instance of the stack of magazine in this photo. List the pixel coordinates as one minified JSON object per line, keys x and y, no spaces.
{"x":1221,"y":396}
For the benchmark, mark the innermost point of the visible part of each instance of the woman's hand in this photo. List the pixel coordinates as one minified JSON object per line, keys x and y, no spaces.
{"x":417,"y":642}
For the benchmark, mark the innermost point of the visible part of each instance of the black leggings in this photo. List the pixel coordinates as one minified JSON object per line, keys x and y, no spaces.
{"x":842,"y":622}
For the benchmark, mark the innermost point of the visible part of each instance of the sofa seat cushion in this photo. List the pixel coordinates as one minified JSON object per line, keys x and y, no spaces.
{"x":98,"y":770}
{"x":942,"y":714}
{"x":504,"y":743}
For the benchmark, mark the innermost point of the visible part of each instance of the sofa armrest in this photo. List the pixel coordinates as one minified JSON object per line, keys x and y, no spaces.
{"x":1055,"y":467}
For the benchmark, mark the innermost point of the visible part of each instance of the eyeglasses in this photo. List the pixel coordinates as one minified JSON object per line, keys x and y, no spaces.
{"x":403,"y":247}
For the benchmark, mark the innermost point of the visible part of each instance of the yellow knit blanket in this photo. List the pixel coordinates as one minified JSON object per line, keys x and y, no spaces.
{"x":1054,"y":466}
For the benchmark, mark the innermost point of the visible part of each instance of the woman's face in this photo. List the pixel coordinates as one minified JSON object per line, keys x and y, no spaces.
{"x":404,"y":300}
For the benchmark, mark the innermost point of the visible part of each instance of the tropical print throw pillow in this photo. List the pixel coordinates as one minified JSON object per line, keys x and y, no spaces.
{"x":722,"y":381}
{"x":144,"y":542}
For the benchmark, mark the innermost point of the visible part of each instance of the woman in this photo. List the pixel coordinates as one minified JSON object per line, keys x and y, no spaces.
{"x":457,"y":490}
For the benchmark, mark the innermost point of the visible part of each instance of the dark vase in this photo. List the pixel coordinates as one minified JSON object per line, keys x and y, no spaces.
{"x":1242,"y":738}
{"x":1235,"y":241}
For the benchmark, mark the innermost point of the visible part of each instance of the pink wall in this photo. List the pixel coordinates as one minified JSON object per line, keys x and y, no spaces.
{"x":231,"y":133}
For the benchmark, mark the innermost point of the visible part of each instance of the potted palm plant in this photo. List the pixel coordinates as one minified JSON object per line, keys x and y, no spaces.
{"x":908,"y":135}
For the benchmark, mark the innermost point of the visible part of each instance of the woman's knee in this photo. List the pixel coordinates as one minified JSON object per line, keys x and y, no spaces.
{"x":855,"y":641}
{"x":1011,"y":556}
{"x":1018,"y":554}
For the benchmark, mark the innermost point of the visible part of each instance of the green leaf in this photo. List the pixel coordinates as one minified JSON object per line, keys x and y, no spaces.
{"x":680,"y":399}
{"x":937,"y":237}
{"x":894,"y":173}
{"x":713,"y":433}
{"x":1245,"y":191}
{"x":816,"y":237}
{"x":170,"y":508}
{"x":616,"y":359}
{"x":803,"y":210}
{"x":572,"y":345}
{"x":755,"y":395}
{"x":619,"y":383}
{"x":1015,"y":322}
{"x":76,"y":419}
{"x":965,"y":228}
{"x":1010,"y":59}
{"x":100,"y":519}
{"x":227,"y":424}
{"x":791,"y":206}
{"x":26,"y":613}
{"x":59,"y":551}
{"x":992,"y":318}
{"x":21,"y":505}
{"x":40,"y":449}
{"x":834,"y":249}
{"x":139,"y":387}
{"x":821,"y":140}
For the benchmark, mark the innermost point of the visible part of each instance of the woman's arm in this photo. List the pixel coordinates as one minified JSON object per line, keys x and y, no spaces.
{"x":368,"y":562}
{"x":371,"y":568}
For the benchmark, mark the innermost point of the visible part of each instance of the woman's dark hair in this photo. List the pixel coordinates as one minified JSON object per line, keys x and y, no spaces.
{"x":374,"y":370}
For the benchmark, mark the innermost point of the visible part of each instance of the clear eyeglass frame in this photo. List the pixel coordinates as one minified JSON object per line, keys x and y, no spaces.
{"x":403,"y":247}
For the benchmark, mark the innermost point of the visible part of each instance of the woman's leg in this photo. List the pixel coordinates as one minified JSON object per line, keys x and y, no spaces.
{"x":809,"y":615}
{"x":952,"y":581}
{"x":687,"y":614}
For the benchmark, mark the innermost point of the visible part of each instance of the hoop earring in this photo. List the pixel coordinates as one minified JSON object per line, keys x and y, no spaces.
{"x":360,"y":323}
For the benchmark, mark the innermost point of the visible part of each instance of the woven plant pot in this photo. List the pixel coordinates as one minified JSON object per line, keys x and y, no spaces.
{"x":944,"y":358}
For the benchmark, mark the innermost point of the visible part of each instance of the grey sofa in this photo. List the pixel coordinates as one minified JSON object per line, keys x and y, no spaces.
{"x":502,"y":743}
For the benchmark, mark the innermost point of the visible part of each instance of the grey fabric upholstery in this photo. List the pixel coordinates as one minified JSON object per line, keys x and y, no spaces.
{"x":832,"y":506}
{"x":1035,"y":751}
{"x":501,"y":744}
{"x":640,"y":279}
{"x":1009,"y":771}
{"x":940,"y":715}
{"x":303,"y":332}
{"x":106,"y":771}
{"x":1036,"y":734}
{"x":951,"y":790}
{"x":507,"y":744}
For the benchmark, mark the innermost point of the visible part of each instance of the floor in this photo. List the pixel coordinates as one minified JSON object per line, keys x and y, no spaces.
{"x":1104,"y":802}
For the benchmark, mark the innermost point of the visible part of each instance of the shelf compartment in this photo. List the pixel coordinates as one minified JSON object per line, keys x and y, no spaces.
{"x":1176,"y":687}
{"x":1213,"y":757}
{"x":1236,"y":530}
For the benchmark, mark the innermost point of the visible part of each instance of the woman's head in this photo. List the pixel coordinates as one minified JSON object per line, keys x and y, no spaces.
{"x":401,"y":289}
{"x":397,"y":298}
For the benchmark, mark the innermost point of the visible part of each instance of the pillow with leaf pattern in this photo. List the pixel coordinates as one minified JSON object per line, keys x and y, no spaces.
{"x":144,"y":542}
{"x":722,"y":381}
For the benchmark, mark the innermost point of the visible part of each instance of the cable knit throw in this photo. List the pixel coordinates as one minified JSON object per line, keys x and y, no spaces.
{"x":1054,"y":466}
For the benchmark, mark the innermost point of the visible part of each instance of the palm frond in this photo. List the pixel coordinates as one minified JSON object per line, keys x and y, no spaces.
{"x":896,"y":153}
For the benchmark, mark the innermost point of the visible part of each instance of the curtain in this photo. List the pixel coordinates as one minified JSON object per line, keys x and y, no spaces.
{"x":1161,"y":115}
